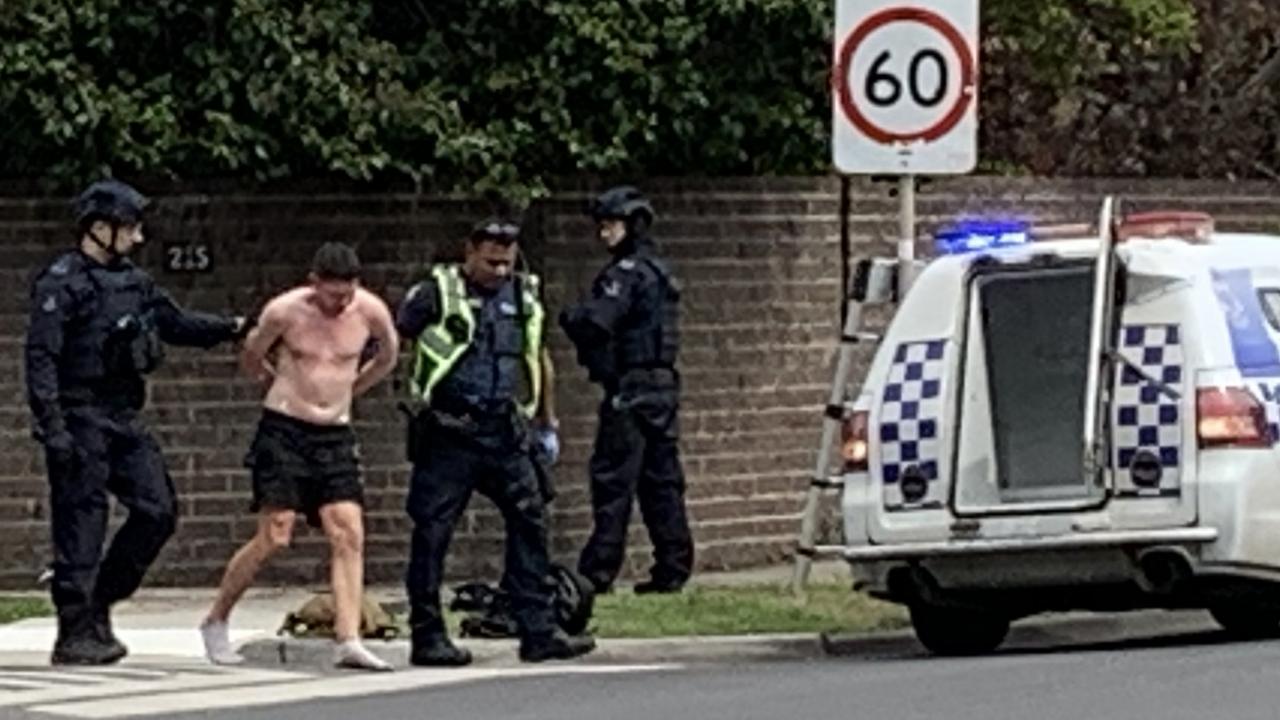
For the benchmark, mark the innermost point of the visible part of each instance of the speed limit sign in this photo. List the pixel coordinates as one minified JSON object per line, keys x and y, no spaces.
{"x":905,"y":87}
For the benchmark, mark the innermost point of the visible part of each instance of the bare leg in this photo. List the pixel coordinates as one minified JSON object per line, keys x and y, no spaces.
{"x":344,"y":526}
{"x":275,"y":530}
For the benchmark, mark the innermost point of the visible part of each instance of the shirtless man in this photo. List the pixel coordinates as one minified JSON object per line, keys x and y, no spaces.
{"x":304,"y":457}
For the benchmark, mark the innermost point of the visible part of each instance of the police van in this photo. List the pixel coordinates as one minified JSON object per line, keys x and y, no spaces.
{"x":1085,"y":423}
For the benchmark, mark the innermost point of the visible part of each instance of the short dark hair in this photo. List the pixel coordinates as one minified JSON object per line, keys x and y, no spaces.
{"x":336,"y":261}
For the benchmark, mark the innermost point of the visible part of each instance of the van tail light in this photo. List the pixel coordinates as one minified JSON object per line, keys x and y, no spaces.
{"x":853,"y":441}
{"x":1194,"y":227}
{"x":1230,"y":417}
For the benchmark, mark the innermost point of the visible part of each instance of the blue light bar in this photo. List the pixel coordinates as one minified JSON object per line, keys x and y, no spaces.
{"x":975,"y":235}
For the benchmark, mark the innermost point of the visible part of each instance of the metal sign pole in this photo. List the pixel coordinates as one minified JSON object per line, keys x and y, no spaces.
{"x":906,"y":233}
{"x":846,"y":247}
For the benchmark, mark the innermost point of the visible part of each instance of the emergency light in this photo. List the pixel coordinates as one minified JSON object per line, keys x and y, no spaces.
{"x":1195,"y":227}
{"x":971,"y":236}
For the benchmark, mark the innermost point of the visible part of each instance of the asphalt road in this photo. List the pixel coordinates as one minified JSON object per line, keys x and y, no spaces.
{"x":1191,"y":676}
{"x":1171,"y":669}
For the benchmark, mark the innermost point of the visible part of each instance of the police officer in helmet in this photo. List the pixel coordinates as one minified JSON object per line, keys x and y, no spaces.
{"x":480,"y":388}
{"x":98,"y":325}
{"x":627,"y":337}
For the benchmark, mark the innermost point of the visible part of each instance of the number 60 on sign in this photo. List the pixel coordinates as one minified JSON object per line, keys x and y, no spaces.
{"x":904,"y":87}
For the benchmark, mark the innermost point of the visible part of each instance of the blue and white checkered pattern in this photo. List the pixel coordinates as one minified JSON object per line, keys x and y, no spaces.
{"x":910,"y":421}
{"x":1147,"y":420}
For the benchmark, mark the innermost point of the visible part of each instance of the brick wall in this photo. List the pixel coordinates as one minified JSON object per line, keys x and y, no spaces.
{"x":759,"y":259}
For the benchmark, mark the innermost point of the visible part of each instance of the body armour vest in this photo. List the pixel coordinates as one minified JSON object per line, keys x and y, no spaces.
{"x":650,"y":337}
{"x":485,"y":351}
{"x":112,"y":334}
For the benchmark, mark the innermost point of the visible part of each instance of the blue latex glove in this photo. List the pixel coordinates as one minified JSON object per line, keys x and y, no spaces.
{"x":548,"y":442}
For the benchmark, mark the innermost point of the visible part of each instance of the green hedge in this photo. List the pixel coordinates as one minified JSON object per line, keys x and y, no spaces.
{"x":468,"y":94}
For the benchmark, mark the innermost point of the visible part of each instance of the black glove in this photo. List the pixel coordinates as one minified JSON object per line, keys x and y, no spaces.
{"x":60,"y":451}
{"x":242,"y":326}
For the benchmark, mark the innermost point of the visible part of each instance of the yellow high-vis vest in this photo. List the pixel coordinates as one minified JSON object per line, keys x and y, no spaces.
{"x":440,"y":346}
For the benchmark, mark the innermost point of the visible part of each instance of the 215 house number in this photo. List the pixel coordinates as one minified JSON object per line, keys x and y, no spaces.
{"x":188,"y":257}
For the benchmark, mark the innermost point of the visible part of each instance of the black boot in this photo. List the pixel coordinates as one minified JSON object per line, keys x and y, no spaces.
{"x":657,"y":587}
{"x":431,"y":648}
{"x":103,"y":633}
{"x":555,"y":645}
{"x":78,"y":642}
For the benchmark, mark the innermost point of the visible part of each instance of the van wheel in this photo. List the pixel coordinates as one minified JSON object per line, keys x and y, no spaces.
{"x":950,"y":631}
{"x":1247,"y":621}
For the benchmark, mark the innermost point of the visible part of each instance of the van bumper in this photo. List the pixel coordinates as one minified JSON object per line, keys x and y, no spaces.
{"x":992,"y":546}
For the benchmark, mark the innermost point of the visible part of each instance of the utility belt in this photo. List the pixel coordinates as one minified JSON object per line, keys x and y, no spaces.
{"x":639,"y":378}
{"x":497,"y":428}
{"x":657,"y":374}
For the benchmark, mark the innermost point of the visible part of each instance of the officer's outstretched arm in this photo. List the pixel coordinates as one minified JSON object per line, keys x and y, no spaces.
{"x":188,"y":328}
{"x":49,"y":306}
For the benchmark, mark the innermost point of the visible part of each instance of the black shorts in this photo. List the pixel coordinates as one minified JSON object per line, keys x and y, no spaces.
{"x":302,"y":466}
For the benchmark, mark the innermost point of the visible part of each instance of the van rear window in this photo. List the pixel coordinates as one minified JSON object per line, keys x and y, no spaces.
{"x":1271,"y":306}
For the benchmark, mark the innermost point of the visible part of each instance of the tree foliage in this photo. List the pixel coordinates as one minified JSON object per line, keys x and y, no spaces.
{"x":469,"y":94}
{"x":1132,"y":87}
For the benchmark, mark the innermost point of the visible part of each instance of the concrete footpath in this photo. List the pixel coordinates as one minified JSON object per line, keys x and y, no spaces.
{"x":163,"y":622}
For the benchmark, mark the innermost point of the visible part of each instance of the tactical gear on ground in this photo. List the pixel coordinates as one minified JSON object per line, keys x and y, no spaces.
{"x":488,"y":607}
{"x":316,"y":616}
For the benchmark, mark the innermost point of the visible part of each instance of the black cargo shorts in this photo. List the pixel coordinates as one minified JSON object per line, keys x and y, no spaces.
{"x":302,"y":466}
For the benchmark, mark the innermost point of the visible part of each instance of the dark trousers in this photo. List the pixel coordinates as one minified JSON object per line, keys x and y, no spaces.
{"x":113,"y":453}
{"x":451,"y":467}
{"x":636,"y":455}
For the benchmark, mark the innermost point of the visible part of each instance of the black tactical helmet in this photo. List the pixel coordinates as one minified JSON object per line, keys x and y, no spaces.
{"x":622,"y":203}
{"x":573,"y":600}
{"x":112,"y":201}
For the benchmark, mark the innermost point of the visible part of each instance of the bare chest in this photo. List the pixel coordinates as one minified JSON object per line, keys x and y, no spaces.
{"x":322,"y":339}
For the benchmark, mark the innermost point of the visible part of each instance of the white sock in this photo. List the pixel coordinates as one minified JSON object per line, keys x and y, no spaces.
{"x":217,"y":643}
{"x":353,"y":654}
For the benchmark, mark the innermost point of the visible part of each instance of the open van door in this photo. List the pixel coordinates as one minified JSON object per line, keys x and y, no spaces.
{"x":1036,"y":372}
{"x":1104,"y":324}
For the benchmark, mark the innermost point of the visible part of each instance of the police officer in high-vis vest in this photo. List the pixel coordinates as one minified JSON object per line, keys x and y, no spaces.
{"x":98,"y":326}
{"x":627,"y":336}
{"x":480,"y":384}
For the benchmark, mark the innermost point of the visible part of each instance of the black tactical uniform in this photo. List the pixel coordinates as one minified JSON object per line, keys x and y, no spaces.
{"x":96,"y":330}
{"x":472,"y":435}
{"x":627,"y":336}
